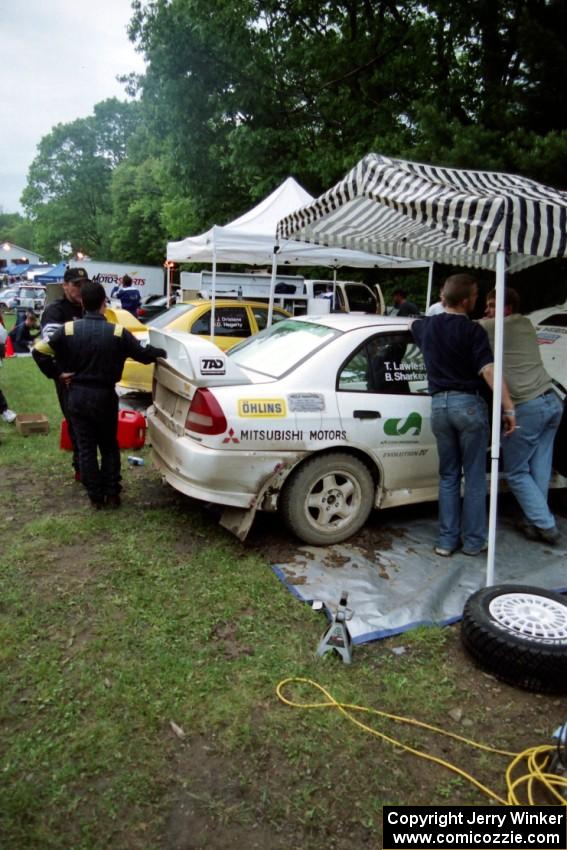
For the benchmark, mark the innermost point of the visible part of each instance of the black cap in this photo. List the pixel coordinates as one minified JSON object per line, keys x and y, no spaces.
{"x":76,"y":275}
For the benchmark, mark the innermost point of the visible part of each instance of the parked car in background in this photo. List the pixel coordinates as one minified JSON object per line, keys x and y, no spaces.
{"x":234,"y":321}
{"x":25,"y":296}
{"x":551,"y":328}
{"x":152,"y":306}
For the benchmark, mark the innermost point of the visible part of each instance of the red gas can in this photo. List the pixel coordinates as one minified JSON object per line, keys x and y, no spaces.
{"x":65,"y":439}
{"x":131,"y":431}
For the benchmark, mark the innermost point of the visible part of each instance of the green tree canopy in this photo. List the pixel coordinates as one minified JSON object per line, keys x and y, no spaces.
{"x":246,"y":93}
{"x":17,"y":229}
{"x":67,"y":195}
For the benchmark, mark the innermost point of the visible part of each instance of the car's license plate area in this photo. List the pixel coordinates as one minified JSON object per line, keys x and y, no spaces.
{"x":171,"y":407}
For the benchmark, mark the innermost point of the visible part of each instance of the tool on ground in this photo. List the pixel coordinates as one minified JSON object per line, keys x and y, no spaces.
{"x":337,"y":637}
{"x":558,"y":763}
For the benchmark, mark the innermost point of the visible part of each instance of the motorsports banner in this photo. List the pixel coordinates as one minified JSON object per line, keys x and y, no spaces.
{"x":479,"y":827}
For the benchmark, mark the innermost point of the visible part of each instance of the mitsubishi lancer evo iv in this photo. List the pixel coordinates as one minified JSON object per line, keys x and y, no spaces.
{"x":321,"y":419}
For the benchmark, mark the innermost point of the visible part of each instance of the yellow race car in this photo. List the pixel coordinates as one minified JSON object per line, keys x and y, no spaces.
{"x":234,"y":321}
{"x":118,"y":316}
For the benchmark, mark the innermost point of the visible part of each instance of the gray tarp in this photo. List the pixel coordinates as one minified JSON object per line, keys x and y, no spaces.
{"x":403,"y":584}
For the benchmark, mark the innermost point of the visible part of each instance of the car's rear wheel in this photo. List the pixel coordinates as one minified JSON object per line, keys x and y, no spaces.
{"x":328,"y":498}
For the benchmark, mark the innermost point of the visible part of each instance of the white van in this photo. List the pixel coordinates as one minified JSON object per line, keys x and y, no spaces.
{"x":292,"y":292}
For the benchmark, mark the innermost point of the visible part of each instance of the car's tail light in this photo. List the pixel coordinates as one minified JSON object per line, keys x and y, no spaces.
{"x":205,"y":414}
{"x":141,"y":311}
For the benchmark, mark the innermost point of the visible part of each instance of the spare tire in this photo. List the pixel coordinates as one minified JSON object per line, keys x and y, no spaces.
{"x":519,"y":633}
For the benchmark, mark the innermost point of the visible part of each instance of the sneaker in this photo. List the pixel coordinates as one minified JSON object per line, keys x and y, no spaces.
{"x":8,"y":415}
{"x":549,"y":535}
{"x":112,"y":501}
{"x":96,"y":503}
{"x":445,"y":553}
{"x":473,"y":552}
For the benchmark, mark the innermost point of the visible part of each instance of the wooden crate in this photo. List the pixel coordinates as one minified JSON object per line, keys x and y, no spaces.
{"x":32,"y":423}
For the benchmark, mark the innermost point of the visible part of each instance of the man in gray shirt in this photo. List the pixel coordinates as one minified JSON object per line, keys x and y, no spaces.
{"x":527,"y":453}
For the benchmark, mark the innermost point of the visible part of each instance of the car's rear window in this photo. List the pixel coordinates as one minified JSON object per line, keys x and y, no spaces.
{"x":170,"y":315}
{"x":558,"y":319}
{"x":278,"y":349}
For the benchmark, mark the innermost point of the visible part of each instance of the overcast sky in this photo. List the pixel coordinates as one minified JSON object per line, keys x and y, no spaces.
{"x":57,"y":59}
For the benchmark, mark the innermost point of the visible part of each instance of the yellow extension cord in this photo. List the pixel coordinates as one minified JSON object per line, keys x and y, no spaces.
{"x":534,"y":779}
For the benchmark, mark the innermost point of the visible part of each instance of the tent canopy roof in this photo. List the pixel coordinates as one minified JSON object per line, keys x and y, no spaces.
{"x":54,"y":275}
{"x":251,"y":238}
{"x":444,"y":215}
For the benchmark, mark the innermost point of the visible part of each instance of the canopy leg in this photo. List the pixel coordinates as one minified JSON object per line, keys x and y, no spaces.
{"x":496,"y":414}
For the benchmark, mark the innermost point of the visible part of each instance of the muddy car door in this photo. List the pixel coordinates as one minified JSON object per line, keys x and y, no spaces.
{"x":386,"y":409}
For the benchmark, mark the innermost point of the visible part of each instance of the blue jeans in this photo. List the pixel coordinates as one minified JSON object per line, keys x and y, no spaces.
{"x":460,"y":425}
{"x":527,"y":455}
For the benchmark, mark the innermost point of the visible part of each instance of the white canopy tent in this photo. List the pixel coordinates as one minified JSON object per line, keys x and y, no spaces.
{"x":469,"y":218}
{"x":251,"y":239}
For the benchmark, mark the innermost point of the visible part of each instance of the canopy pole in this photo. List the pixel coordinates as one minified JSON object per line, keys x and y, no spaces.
{"x":334,"y":305}
{"x":429,"y":286}
{"x":496,"y":413}
{"x":213,"y":292}
{"x":169,"y":272}
{"x":273,"y":285}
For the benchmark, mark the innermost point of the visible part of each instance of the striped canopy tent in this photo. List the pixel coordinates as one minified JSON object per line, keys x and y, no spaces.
{"x":477,"y":219}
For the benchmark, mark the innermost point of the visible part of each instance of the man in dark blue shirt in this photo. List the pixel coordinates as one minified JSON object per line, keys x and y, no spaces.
{"x":403,"y":307}
{"x":128,"y":295}
{"x":459,"y":361}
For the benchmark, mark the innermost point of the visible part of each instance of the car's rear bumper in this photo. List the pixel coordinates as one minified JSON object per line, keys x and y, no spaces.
{"x":227,"y":477}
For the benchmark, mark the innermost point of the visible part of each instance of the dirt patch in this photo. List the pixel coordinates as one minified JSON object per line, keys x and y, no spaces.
{"x":292,"y":578}
{"x":63,"y":568}
{"x":225,"y":636}
{"x":211,"y":807}
{"x":270,"y":537}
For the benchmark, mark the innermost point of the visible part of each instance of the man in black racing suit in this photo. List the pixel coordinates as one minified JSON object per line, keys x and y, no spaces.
{"x":69,"y":308}
{"x":90,"y":355}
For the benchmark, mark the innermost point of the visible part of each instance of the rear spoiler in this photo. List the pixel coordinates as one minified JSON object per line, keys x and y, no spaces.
{"x":198,"y":359}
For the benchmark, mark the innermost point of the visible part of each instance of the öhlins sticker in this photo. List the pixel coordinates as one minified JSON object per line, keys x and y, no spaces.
{"x":262,"y":407}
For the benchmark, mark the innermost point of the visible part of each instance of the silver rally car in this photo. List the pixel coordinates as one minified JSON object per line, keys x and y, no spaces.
{"x":320,"y":418}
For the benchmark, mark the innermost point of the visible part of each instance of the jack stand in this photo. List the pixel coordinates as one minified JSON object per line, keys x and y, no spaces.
{"x":337,"y":637}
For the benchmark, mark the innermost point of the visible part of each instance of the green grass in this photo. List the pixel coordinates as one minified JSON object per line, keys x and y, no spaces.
{"x":113,"y":625}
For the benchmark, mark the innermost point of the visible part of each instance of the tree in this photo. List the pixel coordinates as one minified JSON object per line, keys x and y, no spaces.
{"x":138,"y":234}
{"x":67,"y":193}
{"x":16,"y":229}
{"x":240,"y":94}
{"x":496,"y":100}
{"x":249,"y":92}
